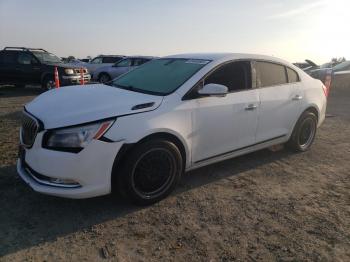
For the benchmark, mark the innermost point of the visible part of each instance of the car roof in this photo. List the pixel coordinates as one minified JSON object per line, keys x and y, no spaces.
{"x":227,"y":56}
{"x":110,"y":56}
{"x":141,"y":56}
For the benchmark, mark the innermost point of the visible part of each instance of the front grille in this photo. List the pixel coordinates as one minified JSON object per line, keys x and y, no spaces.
{"x":77,"y":71}
{"x":29,"y":129}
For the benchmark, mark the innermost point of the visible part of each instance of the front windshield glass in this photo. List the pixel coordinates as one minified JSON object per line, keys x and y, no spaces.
{"x":161,"y":76}
{"x":341,"y":66}
{"x":326,"y":65}
{"x":46,"y":57}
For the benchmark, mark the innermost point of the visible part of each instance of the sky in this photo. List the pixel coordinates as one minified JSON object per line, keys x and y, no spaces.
{"x":290,"y":29}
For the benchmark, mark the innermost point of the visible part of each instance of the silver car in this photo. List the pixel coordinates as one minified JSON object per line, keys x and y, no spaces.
{"x":107,"y":73}
{"x":100,"y":61}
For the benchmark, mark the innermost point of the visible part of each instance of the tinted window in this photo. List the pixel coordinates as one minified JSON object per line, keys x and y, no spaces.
{"x":235,"y":75}
{"x":270,"y":74}
{"x":342,"y":66}
{"x":9,"y":57}
{"x":292,"y":75}
{"x":97,"y":60}
{"x":124,"y":63}
{"x":111,"y":60}
{"x":24,"y":58}
{"x":46,"y":57}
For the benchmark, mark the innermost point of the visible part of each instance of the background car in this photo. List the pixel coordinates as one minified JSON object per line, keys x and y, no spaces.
{"x":21,"y":66}
{"x":101,"y":61}
{"x":107,"y":73}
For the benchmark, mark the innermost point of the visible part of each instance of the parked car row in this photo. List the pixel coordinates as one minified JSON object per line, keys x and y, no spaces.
{"x":107,"y":73}
{"x":22,"y":66}
{"x":325,"y":71}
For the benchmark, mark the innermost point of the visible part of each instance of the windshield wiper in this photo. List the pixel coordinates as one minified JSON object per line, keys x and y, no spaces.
{"x":129,"y":87}
{"x":135,"y":89}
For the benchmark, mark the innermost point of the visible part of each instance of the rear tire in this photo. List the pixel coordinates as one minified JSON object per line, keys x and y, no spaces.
{"x":104,"y":78}
{"x":150,"y":172}
{"x":304,"y":132}
{"x":48,"y":83}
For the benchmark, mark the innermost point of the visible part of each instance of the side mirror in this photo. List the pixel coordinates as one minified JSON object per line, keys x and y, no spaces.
{"x":213,"y":90}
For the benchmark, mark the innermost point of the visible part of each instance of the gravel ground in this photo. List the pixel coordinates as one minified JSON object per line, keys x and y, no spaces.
{"x":259,"y":207}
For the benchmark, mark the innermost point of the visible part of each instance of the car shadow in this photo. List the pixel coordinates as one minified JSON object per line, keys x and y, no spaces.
{"x":29,"y":219}
{"x":12,"y":91}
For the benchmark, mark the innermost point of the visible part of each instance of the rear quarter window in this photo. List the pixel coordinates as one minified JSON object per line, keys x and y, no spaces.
{"x":111,"y":60}
{"x":292,"y":75}
{"x":270,"y":74}
{"x":8,"y":57}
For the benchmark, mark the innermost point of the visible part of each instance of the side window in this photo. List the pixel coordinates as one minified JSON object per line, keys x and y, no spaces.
{"x":9,"y":57}
{"x":97,"y":60}
{"x":24,"y":58}
{"x":111,"y":59}
{"x":124,"y":63}
{"x":292,"y":75}
{"x":139,"y":61}
{"x":235,"y":75}
{"x":270,"y":74}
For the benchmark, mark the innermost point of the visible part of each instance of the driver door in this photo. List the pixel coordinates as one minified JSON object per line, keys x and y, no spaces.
{"x":222,"y":125}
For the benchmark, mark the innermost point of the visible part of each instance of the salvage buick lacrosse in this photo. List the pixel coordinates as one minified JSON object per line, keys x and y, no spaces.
{"x":141,"y":132}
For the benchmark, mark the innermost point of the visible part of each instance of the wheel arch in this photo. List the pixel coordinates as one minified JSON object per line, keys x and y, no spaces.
{"x":44,"y":75}
{"x":313,"y":109}
{"x":127,"y":147}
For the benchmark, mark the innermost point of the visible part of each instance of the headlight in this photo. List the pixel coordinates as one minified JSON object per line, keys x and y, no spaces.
{"x":69,"y":71}
{"x":76,"y":138}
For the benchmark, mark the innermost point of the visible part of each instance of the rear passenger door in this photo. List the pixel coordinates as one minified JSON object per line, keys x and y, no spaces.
{"x":280,"y":100}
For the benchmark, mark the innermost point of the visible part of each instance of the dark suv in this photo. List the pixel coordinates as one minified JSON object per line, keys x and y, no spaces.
{"x":21,"y":66}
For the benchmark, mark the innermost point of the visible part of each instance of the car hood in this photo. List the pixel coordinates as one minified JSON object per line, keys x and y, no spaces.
{"x":74,"y":105}
{"x":66,"y":65}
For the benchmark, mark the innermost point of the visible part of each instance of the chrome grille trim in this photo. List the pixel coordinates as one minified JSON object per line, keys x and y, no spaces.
{"x":29,"y":129}
{"x":77,"y":71}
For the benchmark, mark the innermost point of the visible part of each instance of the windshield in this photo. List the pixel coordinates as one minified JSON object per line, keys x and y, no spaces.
{"x":161,"y":76}
{"x":326,"y":65}
{"x":341,"y":66}
{"x":47,"y":57}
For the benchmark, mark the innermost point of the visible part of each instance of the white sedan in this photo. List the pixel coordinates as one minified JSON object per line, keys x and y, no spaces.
{"x":170,"y":115}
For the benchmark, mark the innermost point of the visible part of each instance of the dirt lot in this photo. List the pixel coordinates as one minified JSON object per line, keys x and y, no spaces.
{"x":260,"y":207}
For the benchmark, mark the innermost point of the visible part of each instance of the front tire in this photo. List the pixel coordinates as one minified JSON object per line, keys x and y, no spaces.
{"x":104,"y":78}
{"x":151,"y":172}
{"x":48,"y":83}
{"x":304,"y":132}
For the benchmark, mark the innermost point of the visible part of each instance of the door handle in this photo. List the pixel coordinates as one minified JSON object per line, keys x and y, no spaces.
{"x":251,"y":107}
{"x":297,"y":97}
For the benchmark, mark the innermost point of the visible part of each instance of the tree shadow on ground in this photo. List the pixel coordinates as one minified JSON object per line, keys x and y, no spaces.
{"x":11,"y":91}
